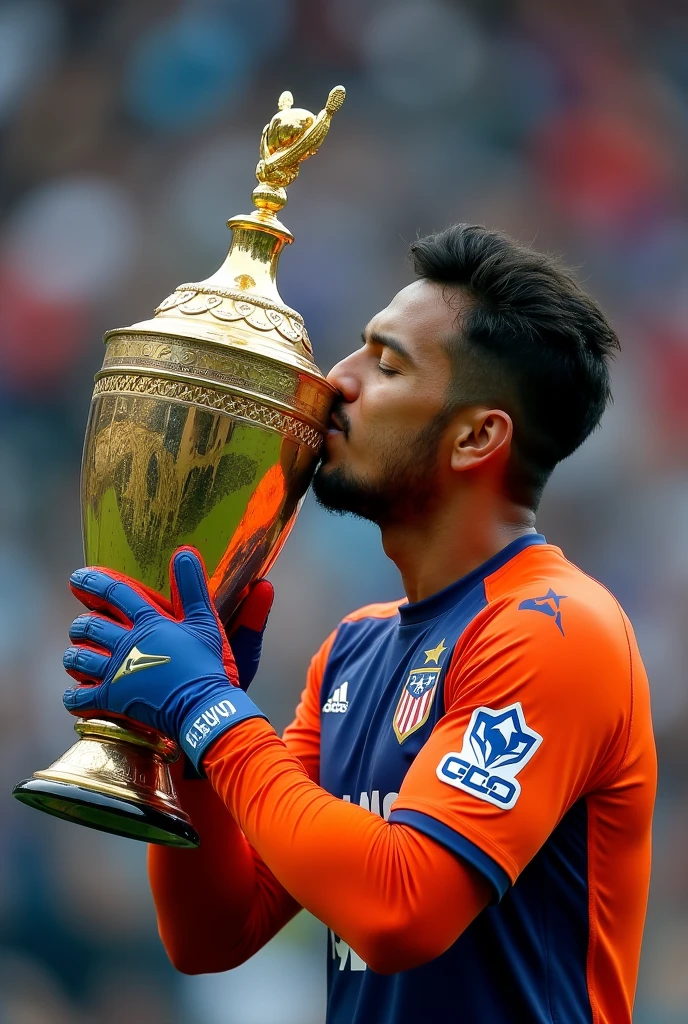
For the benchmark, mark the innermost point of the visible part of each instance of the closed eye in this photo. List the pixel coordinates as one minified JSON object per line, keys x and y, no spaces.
{"x":386,"y":370}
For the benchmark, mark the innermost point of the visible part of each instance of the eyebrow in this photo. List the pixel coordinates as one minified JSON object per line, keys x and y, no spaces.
{"x":387,"y":341}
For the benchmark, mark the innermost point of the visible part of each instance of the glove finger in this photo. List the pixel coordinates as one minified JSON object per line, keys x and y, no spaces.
{"x":102,"y":591}
{"x":254,"y":609}
{"x":85,"y":663}
{"x":190,"y":596}
{"x":246,"y":637}
{"x":246,"y":646}
{"x":81,"y":698}
{"x":98,"y":630}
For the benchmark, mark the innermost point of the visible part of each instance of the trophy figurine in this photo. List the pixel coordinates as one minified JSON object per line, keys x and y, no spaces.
{"x":205,"y":429}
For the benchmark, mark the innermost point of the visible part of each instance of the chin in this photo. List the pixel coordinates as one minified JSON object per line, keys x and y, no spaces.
{"x":336,"y":490}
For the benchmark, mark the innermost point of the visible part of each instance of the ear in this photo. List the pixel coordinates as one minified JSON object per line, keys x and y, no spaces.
{"x":482,"y":435}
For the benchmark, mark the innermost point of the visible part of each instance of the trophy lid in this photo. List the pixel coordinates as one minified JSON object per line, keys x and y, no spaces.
{"x":239,"y":305}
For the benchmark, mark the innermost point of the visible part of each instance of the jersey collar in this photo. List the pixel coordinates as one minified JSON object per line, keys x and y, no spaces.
{"x":436,"y":604}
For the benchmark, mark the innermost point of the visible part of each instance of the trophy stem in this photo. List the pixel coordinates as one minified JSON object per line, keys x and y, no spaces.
{"x":115,"y":778}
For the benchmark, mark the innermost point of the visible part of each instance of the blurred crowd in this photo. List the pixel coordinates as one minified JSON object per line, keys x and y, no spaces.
{"x":130,"y":133}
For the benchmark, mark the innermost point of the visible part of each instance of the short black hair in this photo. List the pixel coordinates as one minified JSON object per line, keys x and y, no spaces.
{"x":529,"y":341}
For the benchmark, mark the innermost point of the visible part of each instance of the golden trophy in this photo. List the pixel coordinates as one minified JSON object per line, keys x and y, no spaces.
{"x":205,"y":428}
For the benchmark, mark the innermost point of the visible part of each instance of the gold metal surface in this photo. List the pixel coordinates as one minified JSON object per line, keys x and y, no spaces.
{"x":205,"y":429}
{"x":169,"y":463}
{"x":120,"y":761}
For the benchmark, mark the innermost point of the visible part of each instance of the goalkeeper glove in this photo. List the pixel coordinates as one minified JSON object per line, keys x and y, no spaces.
{"x":170,"y":667}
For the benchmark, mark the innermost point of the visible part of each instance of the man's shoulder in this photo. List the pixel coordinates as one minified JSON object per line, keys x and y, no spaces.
{"x":541,"y":579}
{"x":362,"y":626}
{"x":380,"y":610}
{"x":545,"y":611}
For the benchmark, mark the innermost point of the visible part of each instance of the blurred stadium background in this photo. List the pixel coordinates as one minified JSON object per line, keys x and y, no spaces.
{"x":129,"y":134}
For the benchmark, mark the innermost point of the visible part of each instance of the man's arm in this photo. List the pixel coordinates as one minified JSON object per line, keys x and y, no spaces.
{"x":218,"y":905}
{"x":522,"y":701}
{"x":403,"y":898}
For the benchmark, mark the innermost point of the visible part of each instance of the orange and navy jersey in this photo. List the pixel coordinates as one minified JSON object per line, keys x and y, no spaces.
{"x":506,"y":717}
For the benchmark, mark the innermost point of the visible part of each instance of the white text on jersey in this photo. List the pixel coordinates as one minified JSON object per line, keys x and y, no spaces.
{"x":372,"y":802}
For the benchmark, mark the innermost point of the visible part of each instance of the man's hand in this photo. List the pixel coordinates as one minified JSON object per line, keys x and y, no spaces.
{"x":168,"y":667}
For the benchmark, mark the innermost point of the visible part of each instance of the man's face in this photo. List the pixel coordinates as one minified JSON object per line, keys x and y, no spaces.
{"x":382,"y":457}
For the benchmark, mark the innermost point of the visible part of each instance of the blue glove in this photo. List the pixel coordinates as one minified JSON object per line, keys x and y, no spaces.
{"x":246,"y":628}
{"x":167,"y":666}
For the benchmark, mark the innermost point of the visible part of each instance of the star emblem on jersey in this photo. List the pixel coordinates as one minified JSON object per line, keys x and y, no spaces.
{"x":496,"y":746}
{"x":433,"y":655}
{"x":136,"y":661}
{"x":549,"y":605}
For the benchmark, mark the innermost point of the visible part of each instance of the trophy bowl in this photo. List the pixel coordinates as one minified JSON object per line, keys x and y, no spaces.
{"x":205,"y":429}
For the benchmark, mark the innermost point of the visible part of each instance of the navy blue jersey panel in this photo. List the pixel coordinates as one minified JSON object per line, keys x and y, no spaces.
{"x":392,"y":676}
{"x":564,"y":864}
{"x":522,"y":960}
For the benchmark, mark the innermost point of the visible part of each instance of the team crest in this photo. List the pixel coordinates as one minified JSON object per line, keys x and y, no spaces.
{"x":418,"y":694}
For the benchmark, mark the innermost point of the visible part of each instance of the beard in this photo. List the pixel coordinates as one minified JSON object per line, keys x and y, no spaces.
{"x":402,"y":490}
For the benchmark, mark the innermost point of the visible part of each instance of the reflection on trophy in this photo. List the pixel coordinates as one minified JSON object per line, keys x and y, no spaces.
{"x":205,"y":428}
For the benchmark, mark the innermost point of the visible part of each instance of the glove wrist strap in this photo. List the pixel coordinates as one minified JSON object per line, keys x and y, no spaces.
{"x":213,"y":717}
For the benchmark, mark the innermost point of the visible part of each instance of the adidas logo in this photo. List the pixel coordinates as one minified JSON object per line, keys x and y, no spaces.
{"x":337,"y":703}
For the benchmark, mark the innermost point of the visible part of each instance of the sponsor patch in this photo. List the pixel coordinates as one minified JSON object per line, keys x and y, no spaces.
{"x":496,"y":746}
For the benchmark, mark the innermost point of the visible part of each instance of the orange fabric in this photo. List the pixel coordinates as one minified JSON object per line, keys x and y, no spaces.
{"x":259,"y":516}
{"x":584,"y":690}
{"x":220,"y":904}
{"x":384,"y":610}
{"x":308,"y":837}
{"x":581,"y":686}
{"x":302,"y":737}
{"x":217,"y":905}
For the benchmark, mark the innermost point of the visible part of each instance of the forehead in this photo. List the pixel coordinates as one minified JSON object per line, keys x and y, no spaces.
{"x":422,"y":316}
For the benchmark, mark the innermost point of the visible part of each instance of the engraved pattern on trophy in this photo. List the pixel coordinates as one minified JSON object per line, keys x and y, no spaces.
{"x":205,"y":428}
{"x":236,"y":405}
{"x":122,"y":768}
{"x":230,"y":307}
{"x":232,"y":368}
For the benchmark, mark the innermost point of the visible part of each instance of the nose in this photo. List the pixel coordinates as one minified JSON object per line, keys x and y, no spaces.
{"x":345,"y":377}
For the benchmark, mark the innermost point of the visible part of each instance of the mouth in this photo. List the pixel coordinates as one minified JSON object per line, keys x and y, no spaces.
{"x":337,"y":424}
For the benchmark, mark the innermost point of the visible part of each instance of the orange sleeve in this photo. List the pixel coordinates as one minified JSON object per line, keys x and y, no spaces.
{"x":535,"y":718}
{"x":401,"y":899}
{"x":218,"y":905}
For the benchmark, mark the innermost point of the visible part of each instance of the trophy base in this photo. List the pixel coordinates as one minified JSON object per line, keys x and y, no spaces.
{"x":107,"y":813}
{"x":116,"y":778}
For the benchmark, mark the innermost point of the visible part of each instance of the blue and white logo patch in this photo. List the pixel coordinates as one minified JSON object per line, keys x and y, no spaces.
{"x":496,"y":746}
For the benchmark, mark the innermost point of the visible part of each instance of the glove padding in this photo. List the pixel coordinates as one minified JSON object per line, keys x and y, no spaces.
{"x":167,"y":666}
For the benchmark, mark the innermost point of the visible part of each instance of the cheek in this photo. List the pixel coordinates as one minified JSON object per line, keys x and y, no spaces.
{"x":395,"y":407}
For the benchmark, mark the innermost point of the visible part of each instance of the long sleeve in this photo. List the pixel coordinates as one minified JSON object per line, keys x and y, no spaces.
{"x":401,"y":899}
{"x":218,"y":905}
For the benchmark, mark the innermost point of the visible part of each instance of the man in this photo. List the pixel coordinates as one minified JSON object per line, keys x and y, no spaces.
{"x":465,"y":794}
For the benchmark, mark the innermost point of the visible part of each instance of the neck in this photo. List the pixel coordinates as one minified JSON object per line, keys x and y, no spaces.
{"x":436,"y":551}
